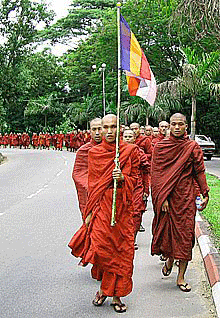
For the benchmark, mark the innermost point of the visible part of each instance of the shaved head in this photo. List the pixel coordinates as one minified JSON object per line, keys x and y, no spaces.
{"x":162,"y":123}
{"x":136,"y":128}
{"x":109,"y":117}
{"x":109,"y":127}
{"x":95,"y":121}
{"x":179,"y":116}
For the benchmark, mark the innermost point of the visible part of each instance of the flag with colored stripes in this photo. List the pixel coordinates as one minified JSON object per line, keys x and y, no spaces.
{"x":140,"y":78}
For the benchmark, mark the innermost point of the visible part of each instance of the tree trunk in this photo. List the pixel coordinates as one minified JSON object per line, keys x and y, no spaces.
{"x":193,"y":118}
{"x":126,"y":119}
{"x":45,"y":122}
{"x":147,"y":120}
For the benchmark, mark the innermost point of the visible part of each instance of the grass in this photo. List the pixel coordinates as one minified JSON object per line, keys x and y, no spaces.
{"x":212,"y":212}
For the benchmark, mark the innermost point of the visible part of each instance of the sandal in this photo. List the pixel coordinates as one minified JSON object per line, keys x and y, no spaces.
{"x":165,"y":270}
{"x":184,"y":287}
{"x":119,"y":308}
{"x":163,"y":258}
{"x":99,"y":299}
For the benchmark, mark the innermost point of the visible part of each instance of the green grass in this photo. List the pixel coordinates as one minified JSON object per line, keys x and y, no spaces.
{"x":212,"y":212}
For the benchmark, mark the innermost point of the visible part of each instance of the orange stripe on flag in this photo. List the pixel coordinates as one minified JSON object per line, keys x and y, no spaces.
{"x":133,"y":85}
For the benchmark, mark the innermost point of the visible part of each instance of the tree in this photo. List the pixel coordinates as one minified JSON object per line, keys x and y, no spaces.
{"x":198,"y":74}
{"x":18,"y":27}
{"x":199,"y":21}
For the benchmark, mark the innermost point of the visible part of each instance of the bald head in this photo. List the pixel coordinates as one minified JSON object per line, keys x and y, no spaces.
{"x":96,"y":129}
{"x":109,"y":127}
{"x":136,"y":128}
{"x":163,"y":126}
{"x":148,"y":130}
{"x":95,"y":121}
{"x":129,"y":136}
{"x":178,"y":125}
{"x":178,"y":115}
{"x":109,"y":117}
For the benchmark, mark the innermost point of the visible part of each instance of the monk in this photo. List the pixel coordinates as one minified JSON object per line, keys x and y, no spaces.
{"x":142,"y":141}
{"x":163,"y":127}
{"x":145,"y":144}
{"x":148,"y":131}
{"x":109,"y":249}
{"x":80,"y":169}
{"x":140,"y":188}
{"x":177,"y":162}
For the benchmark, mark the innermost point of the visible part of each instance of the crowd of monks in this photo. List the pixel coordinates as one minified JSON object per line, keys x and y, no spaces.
{"x":159,"y":161}
{"x":72,"y":141}
{"x":163,"y":159}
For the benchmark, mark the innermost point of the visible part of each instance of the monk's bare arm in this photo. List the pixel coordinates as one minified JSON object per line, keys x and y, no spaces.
{"x":165,"y":206}
{"x":88,"y":219}
{"x":199,"y":169}
{"x":118,"y":175}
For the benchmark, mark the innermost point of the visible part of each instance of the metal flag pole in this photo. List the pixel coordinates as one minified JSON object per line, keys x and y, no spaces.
{"x":117,"y":164}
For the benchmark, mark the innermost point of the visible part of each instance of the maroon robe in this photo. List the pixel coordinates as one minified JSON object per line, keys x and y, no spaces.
{"x":80,"y":173}
{"x":109,"y":249}
{"x":160,"y":137}
{"x":145,"y":144}
{"x":176,"y":163}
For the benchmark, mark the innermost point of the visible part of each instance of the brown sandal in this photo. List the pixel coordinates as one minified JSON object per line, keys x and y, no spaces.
{"x":99,"y":299}
{"x":184,"y":287}
{"x":165,"y":270}
{"x":119,"y":307}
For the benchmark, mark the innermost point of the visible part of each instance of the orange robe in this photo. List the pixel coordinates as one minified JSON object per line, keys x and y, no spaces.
{"x":176,"y":164}
{"x":145,"y":144}
{"x":139,"y":204}
{"x":109,"y":249}
{"x":80,"y":173}
{"x":160,"y":137}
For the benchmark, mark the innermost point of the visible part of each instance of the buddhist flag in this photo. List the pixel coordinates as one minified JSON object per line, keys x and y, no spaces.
{"x":140,"y":78}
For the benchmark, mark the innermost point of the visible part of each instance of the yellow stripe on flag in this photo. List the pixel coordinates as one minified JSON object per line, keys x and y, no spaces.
{"x":135,"y":56}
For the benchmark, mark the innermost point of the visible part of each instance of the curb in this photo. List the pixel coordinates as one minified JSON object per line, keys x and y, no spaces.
{"x":211,"y":258}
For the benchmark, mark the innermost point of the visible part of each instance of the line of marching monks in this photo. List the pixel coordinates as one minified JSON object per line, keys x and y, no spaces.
{"x":72,"y":141}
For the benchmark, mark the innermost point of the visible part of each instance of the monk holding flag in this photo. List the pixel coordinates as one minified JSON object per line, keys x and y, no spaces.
{"x":109,"y":249}
{"x":80,"y":169}
{"x":176,"y":163}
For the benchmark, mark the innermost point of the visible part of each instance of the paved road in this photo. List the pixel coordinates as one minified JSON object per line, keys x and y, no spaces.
{"x":213,"y":166}
{"x":38,"y":276}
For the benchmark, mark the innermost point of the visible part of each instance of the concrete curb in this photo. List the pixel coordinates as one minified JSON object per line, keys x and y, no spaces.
{"x":211,"y":258}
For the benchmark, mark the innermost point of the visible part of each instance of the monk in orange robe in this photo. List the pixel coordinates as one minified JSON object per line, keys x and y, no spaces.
{"x":148,"y":132}
{"x":109,"y":249}
{"x":138,"y":194}
{"x":35,"y":140}
{"x":80,"y":169}
{"x":163,"y":128}
{"x":177,"y":162}
{"x":142,"y":141}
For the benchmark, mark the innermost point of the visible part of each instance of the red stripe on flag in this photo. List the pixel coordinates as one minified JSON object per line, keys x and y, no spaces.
{"x":145,"y":68}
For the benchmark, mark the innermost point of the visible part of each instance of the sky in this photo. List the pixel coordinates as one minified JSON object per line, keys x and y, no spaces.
{"x":59,"y":6}
{"x":61,"y":9}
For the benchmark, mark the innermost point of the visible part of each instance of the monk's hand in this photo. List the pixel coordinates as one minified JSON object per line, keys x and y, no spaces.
{"x":117,"y":174}
{"x":165,"y":206}
{"x":87,"y":220}
{"x":204,"y":203}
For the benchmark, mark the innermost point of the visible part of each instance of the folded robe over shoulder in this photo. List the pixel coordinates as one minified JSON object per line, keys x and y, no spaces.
{"x":111,"y":248}
{"x":176,"y":164}
{"x":80,"y":173}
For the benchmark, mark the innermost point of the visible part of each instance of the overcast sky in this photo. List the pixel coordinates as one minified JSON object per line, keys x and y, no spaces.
{"x":59,"y":6}
{"x":61,"y":9}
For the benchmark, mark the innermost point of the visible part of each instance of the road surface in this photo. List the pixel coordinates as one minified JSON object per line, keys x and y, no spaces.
{"x":39,"y":278}
{"x":213,"y":166}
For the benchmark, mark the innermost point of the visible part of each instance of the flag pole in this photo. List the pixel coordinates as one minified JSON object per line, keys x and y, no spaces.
{"x":117,"y":164}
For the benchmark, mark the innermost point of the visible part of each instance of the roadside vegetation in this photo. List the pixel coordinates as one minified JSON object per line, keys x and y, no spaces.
{"x":212,"y":212}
